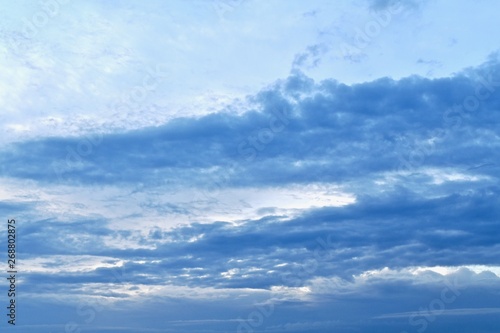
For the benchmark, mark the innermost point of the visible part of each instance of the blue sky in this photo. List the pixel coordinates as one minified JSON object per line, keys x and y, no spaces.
{"x":252,"y":166}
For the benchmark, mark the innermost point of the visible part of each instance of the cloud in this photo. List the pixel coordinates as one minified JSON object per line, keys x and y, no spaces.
{"x":419,"y":197}
{"x":298,"y":131}
{"x":348,"y":196}
{"x":379,"y":5}
{"x":400,"y":229}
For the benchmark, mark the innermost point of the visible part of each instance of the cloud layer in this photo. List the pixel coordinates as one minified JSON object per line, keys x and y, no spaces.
{"x":195,"y":191}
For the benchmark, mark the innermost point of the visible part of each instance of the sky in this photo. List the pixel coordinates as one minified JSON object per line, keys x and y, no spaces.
{"x":251,"y":166}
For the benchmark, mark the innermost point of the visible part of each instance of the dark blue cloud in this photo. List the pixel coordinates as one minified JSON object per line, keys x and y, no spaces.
{"x":298,"y":132}
{"x":419,"y":154}
{"x":400,"y":229}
